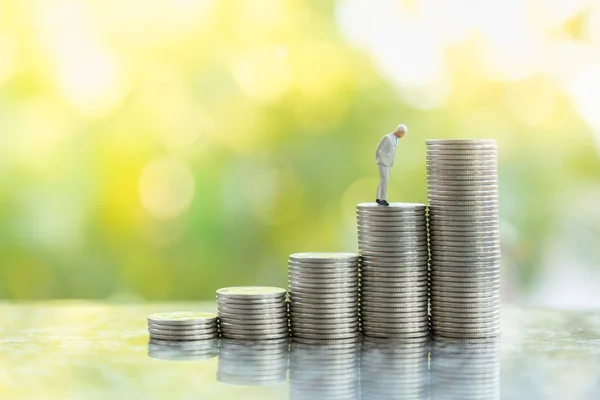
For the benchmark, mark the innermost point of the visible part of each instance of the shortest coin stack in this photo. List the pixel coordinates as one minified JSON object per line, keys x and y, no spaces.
{"x":253,"y":313}
{"x":182,"y":326}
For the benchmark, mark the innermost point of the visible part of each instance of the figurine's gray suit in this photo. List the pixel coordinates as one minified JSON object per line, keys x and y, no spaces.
{"x":385,"y":159}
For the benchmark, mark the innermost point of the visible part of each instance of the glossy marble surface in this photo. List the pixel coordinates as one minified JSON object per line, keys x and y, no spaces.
{"x":88,"y":350}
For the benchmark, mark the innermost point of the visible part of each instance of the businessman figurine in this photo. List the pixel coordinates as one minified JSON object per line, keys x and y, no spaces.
{"x":385,"y":159}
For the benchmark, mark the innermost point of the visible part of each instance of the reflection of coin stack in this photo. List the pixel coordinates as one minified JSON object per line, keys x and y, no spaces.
{"x":393,"y":266}
{"x":183,"y":351}
{"x":390,"y":370}
{"x":462,"y":178}
{"x":465,"y":370}
{"x":325,"y":371}
{"x":182,"y":326}
{"x":253,"y":313}
{"x":323,"y":296}
{"x":253,"y":363}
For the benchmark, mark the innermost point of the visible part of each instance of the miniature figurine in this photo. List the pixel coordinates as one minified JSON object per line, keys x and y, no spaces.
{"x":385,"y":160}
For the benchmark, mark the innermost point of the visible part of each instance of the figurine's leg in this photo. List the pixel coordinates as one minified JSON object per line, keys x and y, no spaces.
{"x":384,"y":177}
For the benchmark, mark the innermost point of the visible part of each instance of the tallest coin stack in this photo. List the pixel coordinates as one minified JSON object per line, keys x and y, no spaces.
{"x":462,"y":182}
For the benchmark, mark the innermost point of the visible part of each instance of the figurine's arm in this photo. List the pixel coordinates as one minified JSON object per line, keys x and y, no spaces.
{"x":385,"y":151}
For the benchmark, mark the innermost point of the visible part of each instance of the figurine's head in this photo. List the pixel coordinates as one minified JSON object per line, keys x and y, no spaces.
{"x":400,"y":131}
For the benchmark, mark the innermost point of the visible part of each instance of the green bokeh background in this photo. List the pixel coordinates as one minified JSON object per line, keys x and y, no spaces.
{"x":161,"y":150}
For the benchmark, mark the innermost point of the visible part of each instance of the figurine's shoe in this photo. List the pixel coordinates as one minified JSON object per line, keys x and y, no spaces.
{"x":383,"y":202}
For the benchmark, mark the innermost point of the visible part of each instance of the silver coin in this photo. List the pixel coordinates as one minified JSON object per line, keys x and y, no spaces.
{"x":182,"y":338}
{"x":387,"y":225}
{"x":183,"y":318}
{"x":395,"y":280}
{"x":462,"y":193}
{"x":251,"y":292}
{"x":446,"y":310}
{"x":326,"y":294}
{"x":252,"y":325}
{"x":212,"y":325}
{"x":412,"y":322}
{"x":331,"y":315}
{"x":324,"y":307}
{"x":389,"y":300}
{"x":329,"y":289}
{"x":252,"y":320}
{"x":323,"y":335}
{"x":486,"y":319}
{"x":349,"y":326}
{"x":455,"y":297}
{"x":406,"y":218}
{"x":183,"y":332}
{"x":378,"y":262}
{"x":278,"y":312}
{"x":320,"y":265}
{"x":460,"y":142}
{"x":404,"y":255}
{"x":466,"y":236}
{"x":481,"y":266}
{"x":315,"y":273}
{"x":319,"y":322}
{"x":484,"y":211}
{"x":323,"y":257}
{"x":420,"y":331}
{"x":453,"y":256}
{"x":315,"y":282}
{"x":262,"y":336}
{"x":466,"y":278}
{"x":391,"y":212}
{"x":381,"y":318}
{"x":461,"y":203}
{"x":393,"y":264}
{"x":397,"y":235}
{"x":326,"y":286}
{"x":471,"y":176}
{"x":462,"y":223}
{"x":398,"y":335}
{"x":273,"y":331}
{"x":404,"y":259}
{"x":393,"y":206}
{"x":449,"y":183}
{"x":437,"y":284}
{"x":325,"y":299}
{"x":471,"y":249}
{"x":462,"y":241}
{"x":380,"y":272}
{"x":251,"y":308}
{"x":394,"y":287}
{"x":296,"y":274}
{"x":472,"y":162}
{"x":414,"y":241}
{"x":391,"y":224}
{"x":466,"y":332}
{"x":453,"y":282}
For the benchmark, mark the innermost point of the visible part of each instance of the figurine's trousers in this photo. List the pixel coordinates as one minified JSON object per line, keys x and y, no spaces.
{"x":384,"y":177}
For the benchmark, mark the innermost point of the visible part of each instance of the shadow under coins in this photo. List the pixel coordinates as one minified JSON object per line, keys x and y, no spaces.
{"x":183,"y":350}
{"x":371,"y":369}
{"x":252,"y":364}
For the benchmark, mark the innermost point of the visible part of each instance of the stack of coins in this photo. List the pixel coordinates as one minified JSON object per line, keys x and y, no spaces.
{"x":390,"y":370}
{"x":323,"y":297}
{"x":182,"y":326}
{"x":462,"y":180}
{"x":253,"y":363}
{"x":465,"y":370}
{"x":183,"y":351}
{"x":325,"y":371}
{"x":253,"y":313}
{"x":394,"y":271}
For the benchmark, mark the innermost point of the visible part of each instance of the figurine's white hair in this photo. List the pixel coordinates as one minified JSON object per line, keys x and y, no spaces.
{"x":401,"y":128}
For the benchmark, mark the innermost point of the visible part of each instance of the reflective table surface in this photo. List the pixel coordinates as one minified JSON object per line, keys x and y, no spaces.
{"x":89,"y":350}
